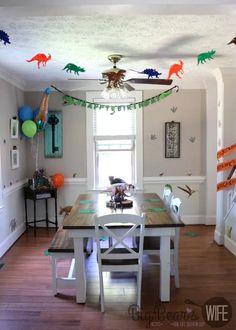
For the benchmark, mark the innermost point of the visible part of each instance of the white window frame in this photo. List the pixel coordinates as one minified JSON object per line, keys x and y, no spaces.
{"x":95,"y":97}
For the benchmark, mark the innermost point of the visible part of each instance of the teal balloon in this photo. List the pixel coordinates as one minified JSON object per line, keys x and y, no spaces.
{"x":29,"y":128}
{"x":25,"y":113}
{"x":40,"y":125}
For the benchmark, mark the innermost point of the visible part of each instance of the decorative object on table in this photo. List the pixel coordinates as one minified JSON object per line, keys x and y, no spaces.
{"x":15,"y":161}
{"x":118,"y":198}
{"x":40,"y":180}
{"x":4,"y":37}
{"x":57,"y":180}
{"x":40,"y":58}
{"x":14,"y":128}
{"x":233,"y":41}
{"x":188,"y":190}
{"x":70,"y":67}
{"x":172,"y":139}
{"x":205,"y":56}
{"x":176,"y":68}
{"x":53,"y":135}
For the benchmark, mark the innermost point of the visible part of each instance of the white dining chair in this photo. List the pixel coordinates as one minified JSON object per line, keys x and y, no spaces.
{"x":151,"y":245}
{"x":120,"y":256}
{"x":167,"y":195}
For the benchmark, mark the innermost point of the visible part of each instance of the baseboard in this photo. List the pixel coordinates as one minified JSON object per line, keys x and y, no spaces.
{"x":210,"y":220}
{"x":10,"y":240}
{"x":219,"y":237}
{"x":230,"y":245}
{"x":193,"y":219}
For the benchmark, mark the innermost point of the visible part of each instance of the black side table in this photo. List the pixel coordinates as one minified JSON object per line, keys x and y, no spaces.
{"x":37,"y":195}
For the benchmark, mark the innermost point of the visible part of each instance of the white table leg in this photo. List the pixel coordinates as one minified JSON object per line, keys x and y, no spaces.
{"x":165,"y":268}
{"x":80,"y":274}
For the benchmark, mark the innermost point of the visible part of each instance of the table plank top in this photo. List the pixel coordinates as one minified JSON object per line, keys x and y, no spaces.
{"x":87,"y":205}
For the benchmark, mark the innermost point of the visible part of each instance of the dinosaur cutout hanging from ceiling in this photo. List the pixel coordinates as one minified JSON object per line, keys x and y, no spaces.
{"x":176,"y":68}
{"x":40,"y":58}
{"x":206,"y":56}
{"x":70,"y":67}
{"x":4,"y":37}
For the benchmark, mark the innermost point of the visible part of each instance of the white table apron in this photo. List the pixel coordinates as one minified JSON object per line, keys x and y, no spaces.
{"x":80,"y":274}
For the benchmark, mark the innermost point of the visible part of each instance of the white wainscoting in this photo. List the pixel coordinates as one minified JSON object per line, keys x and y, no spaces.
{"x":193,"y":207}
{"x":13,"y":209}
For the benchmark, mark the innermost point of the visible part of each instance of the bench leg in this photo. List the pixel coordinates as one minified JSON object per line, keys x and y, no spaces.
{"x":54,"y":275}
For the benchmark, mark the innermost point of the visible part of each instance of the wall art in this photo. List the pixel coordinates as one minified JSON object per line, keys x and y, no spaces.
{"x":172,"y":139}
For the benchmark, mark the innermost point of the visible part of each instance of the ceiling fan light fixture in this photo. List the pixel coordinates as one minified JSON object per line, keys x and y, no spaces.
{"x":114,"y":93}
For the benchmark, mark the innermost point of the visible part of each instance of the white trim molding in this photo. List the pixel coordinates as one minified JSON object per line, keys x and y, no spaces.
{"x":230,"y":245}
{"x":75,"y":181}
{"x":13,"y":188}
{"x":174,"y":179}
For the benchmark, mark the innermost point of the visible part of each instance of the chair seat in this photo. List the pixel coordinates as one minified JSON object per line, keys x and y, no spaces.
{"x":118,"y":262}
{"x":153,"y":243}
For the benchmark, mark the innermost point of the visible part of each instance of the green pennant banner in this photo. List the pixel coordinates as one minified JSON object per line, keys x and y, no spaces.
{"x":70,"y":100}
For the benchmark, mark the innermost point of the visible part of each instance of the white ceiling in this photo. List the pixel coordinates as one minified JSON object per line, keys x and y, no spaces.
{"x":150,"y":34}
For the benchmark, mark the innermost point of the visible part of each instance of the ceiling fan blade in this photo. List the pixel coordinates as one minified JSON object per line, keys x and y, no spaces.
{"x":150,"y":81}
{"x":128,"y":87}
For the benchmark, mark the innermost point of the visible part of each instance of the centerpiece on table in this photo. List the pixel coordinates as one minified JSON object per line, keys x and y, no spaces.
{"x":118,"y":198}
{"x":40,"y":181}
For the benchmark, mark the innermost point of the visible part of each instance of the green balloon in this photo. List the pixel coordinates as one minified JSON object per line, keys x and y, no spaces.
{"x":29,"y":128}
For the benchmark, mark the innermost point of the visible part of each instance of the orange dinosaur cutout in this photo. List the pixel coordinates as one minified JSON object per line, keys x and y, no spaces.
{"x":176,"y":68}
{"x":40,"y":58}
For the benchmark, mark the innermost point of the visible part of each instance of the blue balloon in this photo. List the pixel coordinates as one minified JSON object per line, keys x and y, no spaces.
{"x":48,"y":91}
{"x":25,"y":113}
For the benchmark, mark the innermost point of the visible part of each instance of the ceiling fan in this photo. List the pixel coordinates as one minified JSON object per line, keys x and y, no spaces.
{"x":115,"y":77}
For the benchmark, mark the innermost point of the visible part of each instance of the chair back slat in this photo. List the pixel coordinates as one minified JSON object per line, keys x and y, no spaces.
{"x":128,"y":226}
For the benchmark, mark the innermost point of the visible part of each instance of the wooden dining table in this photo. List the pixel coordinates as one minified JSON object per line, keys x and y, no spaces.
{"x":159,"y":222}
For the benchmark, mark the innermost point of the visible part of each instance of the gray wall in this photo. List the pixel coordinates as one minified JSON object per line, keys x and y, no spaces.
{"x":74,"y":137}
{"x":11,"y":99}
{"x":191,"y":113}
{"x":191,"y":110}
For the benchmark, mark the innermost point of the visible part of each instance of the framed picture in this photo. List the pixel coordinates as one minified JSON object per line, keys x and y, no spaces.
{"x":14,"y":128}
{"x":15,"y":161}
{"x":172,"y":139}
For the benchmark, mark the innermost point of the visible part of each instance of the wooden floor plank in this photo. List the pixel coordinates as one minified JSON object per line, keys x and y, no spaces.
{"x":26,"y":301}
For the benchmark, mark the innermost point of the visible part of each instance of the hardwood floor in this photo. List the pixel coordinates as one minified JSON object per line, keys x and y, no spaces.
{"x":26,"y":301}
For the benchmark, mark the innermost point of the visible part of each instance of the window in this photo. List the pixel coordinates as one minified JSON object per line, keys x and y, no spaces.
{"x":114,"y":143}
